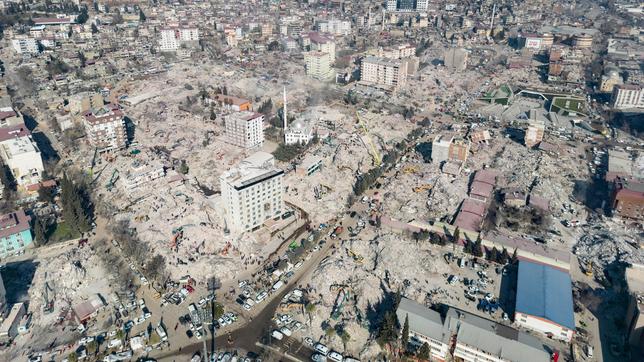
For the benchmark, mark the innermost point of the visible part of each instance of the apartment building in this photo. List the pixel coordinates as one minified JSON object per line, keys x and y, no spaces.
{"x":252,"y":193}
{"x":534,"y":133}
{"x":628,"y":96}
{"x":318,"y":65}
{"x":168,"y":41}
{"x":105,"y":128}
{"x":628,"y":198}
{"x":440,"y":147}
{"x":15,"y":233}
{"x":320,"y":43}
{"x":10,"y":117}
{"x":461,"y":336}
{"x":388,"y":74}
{"x":21,"y":155}
{"x":172,"y":38}
{"x":334,"y":26}
{"x":408,"y":5}
{"x":245,"y":129}
{"x":25,"y":45}
{"x":397,"y":52}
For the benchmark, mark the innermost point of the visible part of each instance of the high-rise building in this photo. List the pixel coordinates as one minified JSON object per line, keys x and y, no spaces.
{"x":105,"y":128}
{"x":628,"y":96}
{"x":171,"y":38}
{"x":318,"y":65}
{"x":245,"y":129}
{"x":408,"y":5}
{"x":25,"y":45}
{"x":389,"y":74}
{"x":252,"y":193}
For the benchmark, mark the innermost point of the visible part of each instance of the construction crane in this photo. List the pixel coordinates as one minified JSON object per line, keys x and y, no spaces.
{"x":113,"y":179}
{"x":377,"y":159}
{"x":356,"y":257}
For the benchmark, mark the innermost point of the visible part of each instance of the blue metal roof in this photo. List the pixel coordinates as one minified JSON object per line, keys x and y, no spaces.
{"x":545,"y":292}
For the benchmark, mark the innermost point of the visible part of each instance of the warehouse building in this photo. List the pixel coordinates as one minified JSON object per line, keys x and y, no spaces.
{"x":544,"y":300}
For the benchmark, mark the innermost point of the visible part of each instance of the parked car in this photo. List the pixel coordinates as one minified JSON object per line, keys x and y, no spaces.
{"x":277,"y":335}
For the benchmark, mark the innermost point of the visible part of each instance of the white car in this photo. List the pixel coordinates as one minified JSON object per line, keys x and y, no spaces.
{"x":114,"y":343}
{"x":335,"y":356}
{"x":202,"y":302}
{"x":85,"y":340}
{"x":247,"y":306}
{"x":322,"y":349}
{"x":198,"y":334}
{"x":111,"y":333}
{"x":277,"y":335}
{"x":285,"y":331}
{"x":140,"y":320}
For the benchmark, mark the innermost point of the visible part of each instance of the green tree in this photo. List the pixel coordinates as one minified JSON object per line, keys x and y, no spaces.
{"x":82,"y":59}
{"x":46,"y":194}
{"x":40,"y":232}
{"x":218,"y":310}
{"x":346,"y":337}
{"x":329,"y":333}
{"x":120,"y":334}
{"x":515,"y":257}
{"x":478,"y":247}
{"x":94,"y":28}
{"x":388,"y":331}
{"x":423,"y":352}
{"x":82,"y":17}
{"x":141,"y":16}
{"x":457,"y":235}
{"x":184,"y":167}
{"x":504,"y":256}
{"x":75,"y":205}
{"x":405,"y":333}
{"x":73,"y":357}
{"x":92,"y":347}
{"x":494,"y":255}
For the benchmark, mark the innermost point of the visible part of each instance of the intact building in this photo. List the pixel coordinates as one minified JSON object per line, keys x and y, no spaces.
{"x":105,"y":128}
{"x":462,"y":336}
{"x":245,"y":129}
{"x":15,"y":233}
{"x":628,"y":96}
{"x":25,"y":45}
{"x":318,"y":65}
{"x":299,"y":132}
{"x":172,"y":38}
{"x":388,"y":74}
{"x":21,"y":155}
{"x":544,"y":300}
{"x":408,"y":5}
{"x":252,"y":193}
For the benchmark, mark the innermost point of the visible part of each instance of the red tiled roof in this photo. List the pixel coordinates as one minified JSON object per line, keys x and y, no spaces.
{"x":487,"y":176}
{"x":14,"y":223}
{"x":7,"y":114}
{"x":7,"y":133}
{"x":473,"y":206}
{"x":481,"y":189}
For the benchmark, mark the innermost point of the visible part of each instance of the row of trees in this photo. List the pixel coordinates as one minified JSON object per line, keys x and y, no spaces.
{"x":76,"y":204}
{"x":390,"y":334}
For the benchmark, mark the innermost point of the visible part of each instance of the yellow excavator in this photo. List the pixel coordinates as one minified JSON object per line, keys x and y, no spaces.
{"x":423,"y":187}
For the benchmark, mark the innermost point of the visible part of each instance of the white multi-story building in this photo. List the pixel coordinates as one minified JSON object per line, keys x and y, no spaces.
{"x":252,"y":193}
{"x":25,"y":45}
{"x":188,"y":34}
{"x":21,"y":155}
{"x":142,"y":173}
{"x":334,"y":26}
{"x":299,"y":132}
{"x":628,"y":96}
{"x":318,"y":65}
{"x":169,"y":41}
{"x":105,"y":128}
{"x":390,"y":74}
{"x":245,"y":129}
{"x":422,"y":6}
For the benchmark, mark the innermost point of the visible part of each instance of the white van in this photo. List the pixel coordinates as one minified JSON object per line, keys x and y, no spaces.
{"x":335,"y":356}
{"x":322,"y":349}
{"x":278,"y":285}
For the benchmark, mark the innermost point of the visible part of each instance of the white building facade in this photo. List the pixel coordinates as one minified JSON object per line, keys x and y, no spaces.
{"x":22,"y":156}
{"x":298,"y":132}
{"x":245,"y":129}
{"x":628,"y":96}
{"x":385,"y":73}
{"x":24,"y":45}
{"x":252,"y":193}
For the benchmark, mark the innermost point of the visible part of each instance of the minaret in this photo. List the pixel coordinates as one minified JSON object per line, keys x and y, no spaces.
{"x":492,"y":18}
{"x":284,"y":114}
